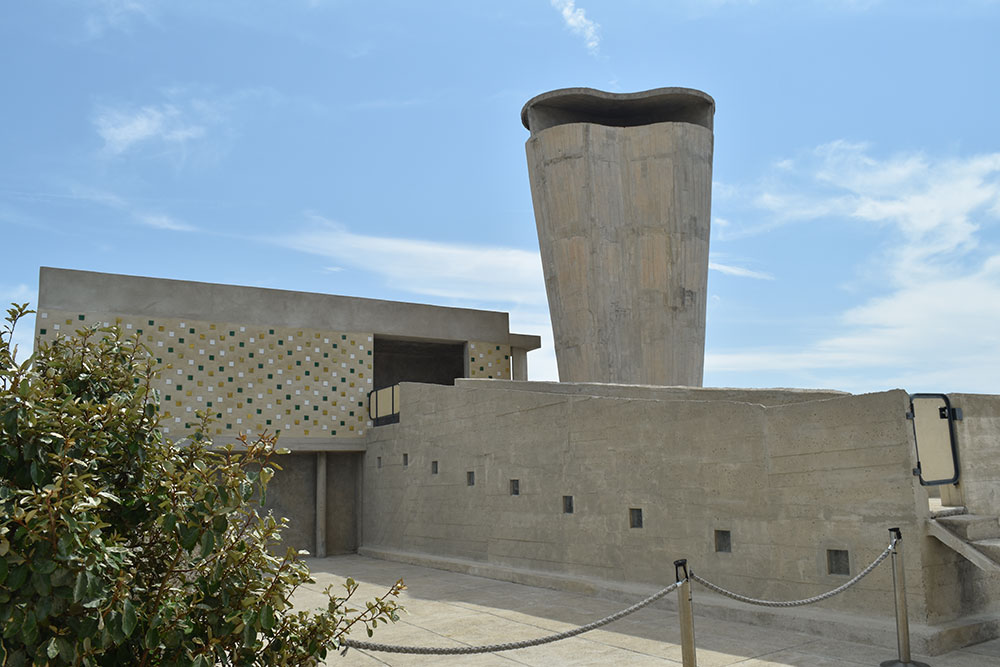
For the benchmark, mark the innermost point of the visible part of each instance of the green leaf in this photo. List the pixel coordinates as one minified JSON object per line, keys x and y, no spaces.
{"x":29,"y":628}
{"x":207,"y":543}
{"x":52,"y":649}
{"x":42,"y":583}
{"x":45,"y":566}
{"x":66,"y":651}
{"x":36,"y":473}
{"x":267,"y":617}
{"x":80,"y":587}
{"x":189,"y":536}
{"x":17,"y":577}
{"x":128,"y":618}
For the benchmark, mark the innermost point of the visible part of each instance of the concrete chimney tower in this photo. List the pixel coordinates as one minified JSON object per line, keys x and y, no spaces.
{"x":622,"y":187}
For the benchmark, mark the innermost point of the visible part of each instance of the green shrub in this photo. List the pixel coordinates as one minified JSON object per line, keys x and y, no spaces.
{"x":118,"y":547}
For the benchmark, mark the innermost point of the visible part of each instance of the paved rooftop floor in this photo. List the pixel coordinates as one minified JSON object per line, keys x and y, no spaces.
{"x":451,"y":609}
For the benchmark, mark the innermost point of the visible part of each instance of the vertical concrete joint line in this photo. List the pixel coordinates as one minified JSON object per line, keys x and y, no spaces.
{"x":320,"y":504}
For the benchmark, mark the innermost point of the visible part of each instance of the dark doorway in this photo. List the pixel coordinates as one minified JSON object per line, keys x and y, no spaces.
{"x":398,"y":361}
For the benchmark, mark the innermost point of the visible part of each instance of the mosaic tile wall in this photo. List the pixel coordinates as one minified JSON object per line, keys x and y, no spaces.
{"x":489,"y":360}
{"x":299,"y":382}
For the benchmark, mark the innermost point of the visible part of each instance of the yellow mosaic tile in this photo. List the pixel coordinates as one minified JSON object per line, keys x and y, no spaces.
{"x":489,"y":360}
{"x":253,"y":370}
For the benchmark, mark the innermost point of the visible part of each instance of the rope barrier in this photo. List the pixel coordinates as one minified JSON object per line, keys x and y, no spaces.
{"x":798,"y":603}
{"x":493,"y":648}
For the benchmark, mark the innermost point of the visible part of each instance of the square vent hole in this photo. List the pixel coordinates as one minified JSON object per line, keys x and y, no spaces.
{"x":838,"y":561}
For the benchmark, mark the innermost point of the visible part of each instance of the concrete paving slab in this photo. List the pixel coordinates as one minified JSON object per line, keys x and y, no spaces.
{"x":451,"y":609}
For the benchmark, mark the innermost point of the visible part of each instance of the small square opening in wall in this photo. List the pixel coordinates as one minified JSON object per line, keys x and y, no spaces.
{"x":723,"y":541}
{"x":406,"y":460}
{"x":635,"y":517}
{"x":838,"y":561}
{"x":567,"y":504}
{"x":434,"y":467}
{"x":378,"y":461}
{"x":515,"y":487}
{"x":470,"y":478}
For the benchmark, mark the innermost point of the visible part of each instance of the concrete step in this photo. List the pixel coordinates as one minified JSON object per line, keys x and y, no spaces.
{"x":972,"y":527}
{"x":990,"y":547}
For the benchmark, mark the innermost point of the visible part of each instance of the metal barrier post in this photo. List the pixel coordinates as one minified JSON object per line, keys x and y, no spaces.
{"x":902,"y":619}
{"x":688,"y":656}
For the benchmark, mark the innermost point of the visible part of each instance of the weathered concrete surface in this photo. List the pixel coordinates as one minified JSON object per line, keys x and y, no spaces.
{"x":758,"y":396}
{"x":621,"y":187}
{"x":456,"y":609}
{"x":291,"y":493}
{"x":88,"y":291}
{"x":789,"y":482}
{"x":978,"y":452}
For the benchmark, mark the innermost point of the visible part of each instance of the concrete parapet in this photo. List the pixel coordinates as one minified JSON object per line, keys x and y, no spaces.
{"x":621,"y":187}
{"x":791,"y":479}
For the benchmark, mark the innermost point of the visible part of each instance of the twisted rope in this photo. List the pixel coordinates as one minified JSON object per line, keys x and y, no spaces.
{"x":493,"y":648}
{"x":798,"y":603}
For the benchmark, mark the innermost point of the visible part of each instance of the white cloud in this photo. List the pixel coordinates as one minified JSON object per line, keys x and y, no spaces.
{"x":739,"y":271}
{"x":165,"y":222}
{"x":576,"y":20}
{"x":135,"y":213}
{"x":482,"y":276}
{"x":19,"y":293}
{"x":116,"y":14}
{"x":931,"y":318}
{"x":124,"y":129}
{"x":450,"y":270}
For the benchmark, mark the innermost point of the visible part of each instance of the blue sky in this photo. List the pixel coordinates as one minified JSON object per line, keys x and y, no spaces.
{"x":375,"y":149}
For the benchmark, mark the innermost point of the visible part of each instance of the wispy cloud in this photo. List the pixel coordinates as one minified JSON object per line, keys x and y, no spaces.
{"x":123,"y":129}
{"x":165,"y":222}
{"x":930,"y":317}
{"x":134,"y":212}
{"x":19,"y":293}
{"x":432,"y":268}
{"x":576,"y":20}
{"x":730,"y":270}
{"x":104,"y":15}
{"x":183,"y":121}
{"x":478,"y":275}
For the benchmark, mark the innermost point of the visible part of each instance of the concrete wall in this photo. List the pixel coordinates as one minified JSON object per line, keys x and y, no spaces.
{"x":621,"y":187}
{"x":788,"y":482}
{"x":83,"y":291}
{"x":255,"y":359}
{"x":291,"y":493}
{"x":758,"y":396}
{"x":978,"y":452}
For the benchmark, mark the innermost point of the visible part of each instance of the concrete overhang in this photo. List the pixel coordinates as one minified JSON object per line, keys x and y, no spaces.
{"x":526,"y":342}
{"x":66,"y":289}
{"x":589,"y":105}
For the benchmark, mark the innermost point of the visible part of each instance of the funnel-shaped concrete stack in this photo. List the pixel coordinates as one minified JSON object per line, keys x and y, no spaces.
{"x":621,"y":185}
